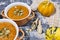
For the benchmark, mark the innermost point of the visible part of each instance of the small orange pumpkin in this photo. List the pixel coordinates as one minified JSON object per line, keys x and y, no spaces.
{"x":46,"y":8}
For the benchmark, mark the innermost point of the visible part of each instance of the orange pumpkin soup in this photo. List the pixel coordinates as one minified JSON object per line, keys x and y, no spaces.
{"x":7,"y":31}
{"x":18,"y":12}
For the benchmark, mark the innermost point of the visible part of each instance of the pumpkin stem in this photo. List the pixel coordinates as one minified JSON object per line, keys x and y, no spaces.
{"x":46,"y":0}
{"x":48,"y":3}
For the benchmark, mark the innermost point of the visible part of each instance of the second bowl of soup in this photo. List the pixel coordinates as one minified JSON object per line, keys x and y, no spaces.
{"x":8,"y":30}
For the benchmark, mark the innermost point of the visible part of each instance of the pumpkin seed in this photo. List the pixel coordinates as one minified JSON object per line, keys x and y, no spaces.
{"x":4,"y":28}
{"x":1,"y":33}
{"x":7,"y":32}
{"x":18,"y":12}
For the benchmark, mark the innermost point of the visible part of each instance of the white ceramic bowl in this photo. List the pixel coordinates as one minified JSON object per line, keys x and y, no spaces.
{"x":14,"y":4}
{"x":13,"y":23}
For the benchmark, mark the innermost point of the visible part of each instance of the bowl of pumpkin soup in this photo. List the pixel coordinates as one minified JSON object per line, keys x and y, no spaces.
{"x":8,"y":30}
{"x":19,"y":12}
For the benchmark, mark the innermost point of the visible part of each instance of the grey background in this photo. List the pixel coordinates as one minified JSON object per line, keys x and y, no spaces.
{"x":31,"y":35}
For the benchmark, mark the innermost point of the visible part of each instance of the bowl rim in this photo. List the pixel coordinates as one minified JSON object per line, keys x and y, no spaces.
{"x":14,"y":4}
{"x":13,"y":23}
